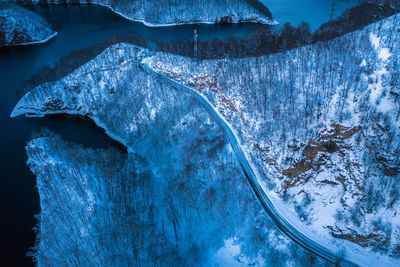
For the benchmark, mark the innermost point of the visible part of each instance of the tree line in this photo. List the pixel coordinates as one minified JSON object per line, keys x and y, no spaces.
{"x":262,"y":40}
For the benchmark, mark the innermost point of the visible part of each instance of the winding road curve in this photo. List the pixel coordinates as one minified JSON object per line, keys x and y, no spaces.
{"x":282,"y":224}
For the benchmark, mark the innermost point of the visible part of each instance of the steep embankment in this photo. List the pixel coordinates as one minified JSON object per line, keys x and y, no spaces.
{"x":321,"y":124}
{"x":178,"y":197}
{"x":19,"y":26}
{"x":175,"y":12}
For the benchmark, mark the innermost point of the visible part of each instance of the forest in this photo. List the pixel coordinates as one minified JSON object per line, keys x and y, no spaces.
{"x":277,"y":148}
{"x":263,"y":40}
{"x":21,"y":26}
{"x":321,"y":118}
{"x":178,"y":196}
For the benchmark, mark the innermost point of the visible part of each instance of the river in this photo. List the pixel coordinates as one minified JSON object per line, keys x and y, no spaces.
{"x":78,"y":27}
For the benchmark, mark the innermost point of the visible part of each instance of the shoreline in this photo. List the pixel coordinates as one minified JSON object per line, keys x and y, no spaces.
{"x":264,"y":21}
{"x":48,"y":38}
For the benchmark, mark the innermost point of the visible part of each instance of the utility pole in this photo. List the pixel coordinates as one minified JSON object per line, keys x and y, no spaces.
{"x":195,"y":37}
{"x":332,"y":10}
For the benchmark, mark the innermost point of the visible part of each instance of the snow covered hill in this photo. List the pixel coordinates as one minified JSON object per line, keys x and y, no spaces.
{"x":175,"y":12}
{"x":321,"y":124}
{"x":177,"y":197}
{"x":19,"y":26}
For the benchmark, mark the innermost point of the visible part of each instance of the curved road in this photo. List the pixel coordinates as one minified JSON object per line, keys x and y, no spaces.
{"x":282,"y":224}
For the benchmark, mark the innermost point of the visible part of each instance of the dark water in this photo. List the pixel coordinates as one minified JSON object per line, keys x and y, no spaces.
{"x":78,"y":27}
{"x":315,"y":12}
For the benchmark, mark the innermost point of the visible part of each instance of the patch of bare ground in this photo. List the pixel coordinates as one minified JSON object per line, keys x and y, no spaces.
{"x":202,"y":82}
{"x":369,"y":240}
{"x":329,"y":141}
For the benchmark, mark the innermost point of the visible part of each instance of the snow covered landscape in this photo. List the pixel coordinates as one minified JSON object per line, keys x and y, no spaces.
{"x":174,"y":12}
{"x":331,"y":156}
{"x":19,"y":26}
{"x":283,"y":159}
{"x":179,"y":185}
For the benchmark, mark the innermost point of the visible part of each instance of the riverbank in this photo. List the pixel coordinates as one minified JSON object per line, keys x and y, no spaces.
{"x":163,"y":13}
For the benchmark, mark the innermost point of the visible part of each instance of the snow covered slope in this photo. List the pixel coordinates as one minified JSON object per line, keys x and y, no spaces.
{"x":177,"y":197}
{"x":175,"y":12}
{"x":19,"y":26}
{"x":322,"y":125}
